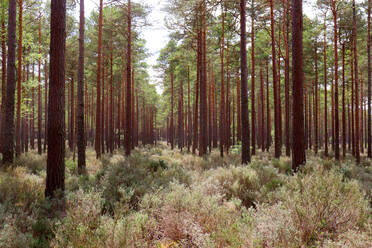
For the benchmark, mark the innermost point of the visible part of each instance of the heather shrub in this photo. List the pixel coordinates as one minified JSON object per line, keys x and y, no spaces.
{"x":138,"y":176}
{"x":35,"y":163}
{"x":239,"y":182}
{"x":11,"y":236}
{"x":82,"y":225}
{"x":190,"y":218}
{"x":317,"y":206}
{"x":20,"y":190}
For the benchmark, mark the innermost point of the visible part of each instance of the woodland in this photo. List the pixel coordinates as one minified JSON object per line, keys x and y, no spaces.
{"x":255,"y":133}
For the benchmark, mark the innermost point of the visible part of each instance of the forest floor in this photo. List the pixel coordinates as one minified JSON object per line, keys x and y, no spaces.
{"x":164,"y":198}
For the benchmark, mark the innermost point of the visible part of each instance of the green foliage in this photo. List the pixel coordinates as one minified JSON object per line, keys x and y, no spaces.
{"x":138,"y":175}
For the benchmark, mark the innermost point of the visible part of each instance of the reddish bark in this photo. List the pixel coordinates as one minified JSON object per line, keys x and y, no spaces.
{"x":8,"y":117}
{"x":277,"y":117}
{"x":98,"y":100}
{"x":357,"y":152}
{"x":81,"y":137}
{"x":369,"y":131}
{"x":19,"y":79}
{"x":246,"y":156}
{"x":55,"y":179}
{"x":253,"y":110}
{"x":299,"y":157}
{"x":222,"y":94}
{"x":325,"y":90}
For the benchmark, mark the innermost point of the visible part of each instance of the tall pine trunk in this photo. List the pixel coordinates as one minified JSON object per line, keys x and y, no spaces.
{"x":277,"y":117}
{"x":222,"y":93}
{"x":39,"y":112}
{"x":19,"y":78}
{"x":357,"y":148}
{"x":336,"y":105}
{"x":3,"y":74}
{"x":98,"y":99}
{"x":325,"y":91}
{"x":8,"y":116}
{"x":299,"y":157}
{"x":55,"y":179}
{"x":253,"y":109}
{"x":128,"y":110}
{"x":246,"y":156}
{"x":369,"y":132}
{"x":80,"y":95}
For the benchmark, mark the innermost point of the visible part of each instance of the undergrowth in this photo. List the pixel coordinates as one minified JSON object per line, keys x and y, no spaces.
{"x":163,"y":198}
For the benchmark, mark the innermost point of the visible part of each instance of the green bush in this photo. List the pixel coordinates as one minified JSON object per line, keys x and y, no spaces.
{"x":315,"y":207}
{"x":33,"y":162}
{"x":239,"y":182}
{"x":137,"y":176}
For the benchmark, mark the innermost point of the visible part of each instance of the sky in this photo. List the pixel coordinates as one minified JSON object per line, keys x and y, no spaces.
{"x":156,"y":36}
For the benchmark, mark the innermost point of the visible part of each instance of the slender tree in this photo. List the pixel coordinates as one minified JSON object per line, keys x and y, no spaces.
{"x":203,"y":137}
{"x":55,"y":179}
{"x":8,"y":116}
{"x":39,"y":112}
{"x":19,"y":78}
{"x":325,"y":89}
{"x":222,"y":95}
{"x":298,"y":153}
{"x":3,"y":73}
{"x":369,"y":132}
{"x":253,"y":109}
{"x":246,"y":155}
{"x":277,"y":117}
{"x":336,"y":105}
{"x":80,"y":94}
{"x":98,"y":100}
{"x":128,"y":110}
{"x":357,"y":148}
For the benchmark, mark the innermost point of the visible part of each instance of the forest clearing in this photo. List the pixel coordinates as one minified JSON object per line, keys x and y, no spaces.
{"x":185,"y":123}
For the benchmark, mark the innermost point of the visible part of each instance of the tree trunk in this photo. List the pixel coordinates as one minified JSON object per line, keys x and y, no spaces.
{"x":8,"y":116}
{"x":262,"y":110}
{"x":246,"y":156}
{"x":316,"y":101}
{"x":19,"y":78}
{"x":55,"y":179}
{"x":203,"y":138}
{"x":98,"y":100}
{"x":128,"y":116}
{"x":171,"y":125}
{"x":336,"y":105}
{"x":286,"y":75}
{"x":222,"y":94}
{"x":45,"y":106}
{"x":325,"y":91}
{"x":180,"y":118}
{"x":3,"y":74}
{"x":268,"y":115}
{"x":299,"y":157}
{"x":253,"y":110}
{"x":369,"y":132}
{"x":357,"y":153}
{"x":80,"y":95}
{"x":277,"y":117}
{"x":343,"y":104}
{"x":39,"y":112}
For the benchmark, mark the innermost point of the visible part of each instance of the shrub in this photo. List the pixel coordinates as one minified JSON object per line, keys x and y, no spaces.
{"x":191,"y":218}
{"x":315,"y":207}
{"x":82,"y":225}
{"x":32,"y":161}
{"x":20,"y":190}
{"x":239,"y":182}
{"x":137,"y":176}
{"x":12,"y":237}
